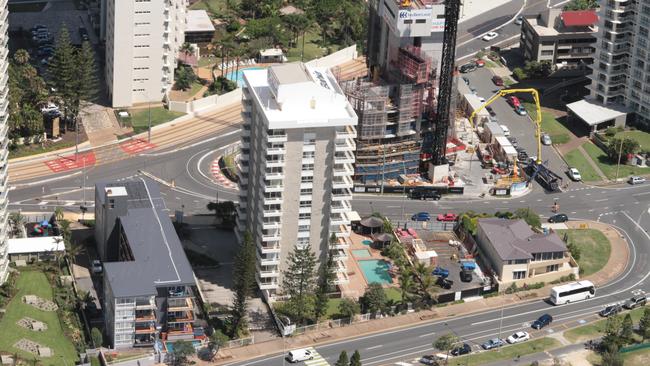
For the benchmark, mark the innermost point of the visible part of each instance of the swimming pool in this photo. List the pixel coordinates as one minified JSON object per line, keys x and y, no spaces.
{"x":238,"y":76}
{"x":361,"y":253}
{"x":170,"y":348}
{"x":366,"y":242}
{"x":376,"y":271}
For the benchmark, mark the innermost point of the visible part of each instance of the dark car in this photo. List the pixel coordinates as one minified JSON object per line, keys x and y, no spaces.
{"x":468,"y":68}
{"x":635,"y":301}
{"x":610,"y":310}
{"x":491,"y":111}
{"x":424,"y":194}
{"x":439,"y":271}
{"x":431,"y":360}
{"x":466,"y":80}
{"x":493,"y":343}
{"x":542,"y":321}
{"x":497,"y":80}
{"x":445,"y":283}
{"x":462,"y":350}
{"x":558,"y":218}
{"x":421,"y":216}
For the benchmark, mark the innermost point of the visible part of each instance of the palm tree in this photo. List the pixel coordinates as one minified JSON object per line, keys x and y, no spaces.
{"x":406,"y":284}
{"x":58,"y":214}
{"x":74,"y":249}
{"x":21,"y":57}
{"x":17,"y":220}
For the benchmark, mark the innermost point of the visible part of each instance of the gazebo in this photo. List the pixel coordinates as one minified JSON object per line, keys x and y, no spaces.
{"x":382,"y":240}
{"x":371,"y":225}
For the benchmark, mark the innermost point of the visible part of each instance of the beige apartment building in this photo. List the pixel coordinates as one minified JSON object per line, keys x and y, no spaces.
{"x":296,"y":170}
{"x":4,"y":142}
{"x":517,"y":254}
{"x":565,"y":38}
{"x":143,"y":38}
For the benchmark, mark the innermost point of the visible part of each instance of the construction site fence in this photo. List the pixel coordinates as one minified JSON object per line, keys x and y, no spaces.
{"x":239,"y":342}
{"x":406,"y":189}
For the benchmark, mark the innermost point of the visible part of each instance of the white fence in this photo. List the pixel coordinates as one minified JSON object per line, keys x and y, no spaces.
{"x":337,"y":58}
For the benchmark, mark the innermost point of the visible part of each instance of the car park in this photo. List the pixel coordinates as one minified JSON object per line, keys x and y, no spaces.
{"x":610,"y":310}
{"x":299,"y":355}
{"x":448,"y":217}
{"x":518,"y":337}
{"x":635,"y":301}
{"x":497,"y":80}
{"x":574,"y":174}
{"x":493,"y":343}
{"x":424,"y":194}
{"x":96,"y":266}
{"x":461,"y":350}
{"x":559,"y":218}
{"x":546,"y":139}
{"x":636,"y":180}
{"x":490,"y":36}
{"x":506,"y":130}
{"x":421,"y":216}
{"x":468,"y":68}
{"x":441,"y":272}
{"x":542,"y":321}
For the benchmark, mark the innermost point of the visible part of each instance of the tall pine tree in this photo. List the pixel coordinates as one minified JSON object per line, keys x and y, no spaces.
{"x":62,"y":71}
{"x":244,"y":280}
{"x":87,"y":84}
{"x":355,"y":360}
{"x":326,"y":276}
{"x":298,"y":281}
{"x":343,"y":359}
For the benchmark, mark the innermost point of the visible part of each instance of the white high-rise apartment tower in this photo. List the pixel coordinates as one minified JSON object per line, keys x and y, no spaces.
{"x":621,"y":68}
{"x":4,"y":151}
{"x":143,"y":38}
{"x":296,"y":168}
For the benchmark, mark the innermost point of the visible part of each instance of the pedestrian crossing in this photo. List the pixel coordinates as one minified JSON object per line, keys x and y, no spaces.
{"x":318,"y":360}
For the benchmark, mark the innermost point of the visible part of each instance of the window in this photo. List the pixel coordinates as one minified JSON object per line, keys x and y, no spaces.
{"x":547,"y":53}
{"x":142,"y":35}
{"x":111,"y":203}
{"x":141,"y":68}
{"x":143,"y":12}
{"x":307,"y":167}
{"x":308,"y":179}
{"x":308,"y":154}
{"x":303,"y":228}
{"x":304,"y":216}
{"x":408,"y":21}
{"x":420,"y":21}
{"x":552,"y":268}
{"x":141,"y":57}
{"x":305,"y":203}
{"x":518,"y":275}
{"x":139,"y":24}
{"x":305,"y":191}
{"x":141,"y":46}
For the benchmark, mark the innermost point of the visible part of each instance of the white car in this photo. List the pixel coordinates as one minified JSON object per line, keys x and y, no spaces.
{"x":50,"y":107}
{"x":636,"y":180}
{"x":506,"y":130}
{"x":298,"y":355}
{"x":574,"y":174}
{"x":96,"y":266}
{"x":546,"y":139}
{"x":481,"y":99}
{"x":490,"y":36}
{"x":518,"y":337}
{"x":519,"y":20}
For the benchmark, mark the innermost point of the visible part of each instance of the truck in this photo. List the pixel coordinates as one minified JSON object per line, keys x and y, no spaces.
{"x":467,"y":267}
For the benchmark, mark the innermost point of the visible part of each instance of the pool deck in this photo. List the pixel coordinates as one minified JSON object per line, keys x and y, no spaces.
{"x":358,"y":282}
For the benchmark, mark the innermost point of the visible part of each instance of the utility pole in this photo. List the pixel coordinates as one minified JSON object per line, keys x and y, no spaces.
{"x":618,"y":162}
{"x":76,"y":138}
{"x":149,"y":125}
{"x":383,"y":168}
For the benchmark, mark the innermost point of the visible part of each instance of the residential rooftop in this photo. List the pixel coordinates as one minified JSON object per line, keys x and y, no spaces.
{"x":555,"y":22}
{"x":159,"y":259}
{"x":198,"y":21}
{"x":514,"y":239}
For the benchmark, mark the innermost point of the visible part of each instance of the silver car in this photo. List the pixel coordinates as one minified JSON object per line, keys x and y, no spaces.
{"x":546,"y":139}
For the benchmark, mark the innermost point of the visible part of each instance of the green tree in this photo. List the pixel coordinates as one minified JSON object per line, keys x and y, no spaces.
{"x":374,"y":299}
{"x":185,"y":77}
{"x":343,"y":359}
{"x":627,"y":328}
{"x":574,"y":250}
{"x":182,"y":350}
{"x":612,"y":339}
{"x":406,"y":284}
{"x":581,"y":5}
{"x":425,"y":282}
{"x":644,"y":324}
{"x":62,"y":72}
{"x":621,"y":147}
{"x":355,"y":360}
{"x":612,"y":358}
{"x":86,"y":75}
{"x":529,"y":216}
{"x":27,"y":90}
{"x":446,"y":343}
{"x":348,"y":308}
{"x":97,"y":337}
{"x":217,"y":340}
{"x":326,"y":277}
{"x":243,"y":284}
{"x":223,"y":211}
{"x":299,"y":281}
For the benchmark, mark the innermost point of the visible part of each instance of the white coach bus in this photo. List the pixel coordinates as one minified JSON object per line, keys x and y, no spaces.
{"x":571,"y":292}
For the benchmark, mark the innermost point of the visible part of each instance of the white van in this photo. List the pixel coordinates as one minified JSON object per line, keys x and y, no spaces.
{"x":636,"y":180}
{"x":298,"y":355}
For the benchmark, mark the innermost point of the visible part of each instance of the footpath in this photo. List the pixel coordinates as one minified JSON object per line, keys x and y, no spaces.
{"x":614,"y":268}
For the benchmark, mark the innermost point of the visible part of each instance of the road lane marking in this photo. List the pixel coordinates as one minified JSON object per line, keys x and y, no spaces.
{"x":601,"y":200}
{"x":426,"y":335}
{"x":374,"y":347}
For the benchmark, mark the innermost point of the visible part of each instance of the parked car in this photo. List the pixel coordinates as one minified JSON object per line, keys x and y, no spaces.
{"x":445,"y":283}
{"x":96,"y":266}
{"x":421,"y":216}
{"x":493,"y":343}
{"x":506,"y":130}
{"x":468,"y":67}
{"x":490,"y":36}
{"x":473,"y":90}
{"x":636,"y":180}
{"x":542,"y":321}
{"x":574,"y":174}
{"x":521,"y":110}
{"x":558,"y":218}
{"x":424,"y":194}
{"x":519,"y":20}
{"x":513,"y":101}
{"x":481,"y":99}
{"x":635,"y":301}
{"x":610,"y":310}
{"x":480,"y":63}
{"x":497,"y":80}
{"x":461,"y":350}
{"x":490,"y":111}
{"x":448,"y":217}
{"x":299,"y":355}
{"x":439,"y":271}
{"x":466,"y":80}
{"x":518,"y":337}
{"x":431,"y":360}
{"x":546,"y":139}
{"x":49,"y":108}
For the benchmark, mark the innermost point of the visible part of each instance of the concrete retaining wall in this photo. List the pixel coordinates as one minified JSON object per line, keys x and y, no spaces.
{"x":337,"y":58}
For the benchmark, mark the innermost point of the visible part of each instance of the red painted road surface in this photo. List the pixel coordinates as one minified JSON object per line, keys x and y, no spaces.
{"x":219,"y":177}
{"x":135,"y":146}
{"x":71,"y":162}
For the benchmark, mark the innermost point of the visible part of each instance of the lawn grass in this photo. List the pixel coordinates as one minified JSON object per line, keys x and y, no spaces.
{"x":576,"y":160}
{"x":491,"y":64}
{"x":559,"y":134}
{"x":643,"y":138}
{"x":609,"y":169}
{"x":637,"y":358}
{"x":140,"y":118}
{"x":35,"y":283}
{"x":506,"y":352}
{"x":312,"y":49}
{"x":508,"y":82}
{"x":213,"y":6}
{"x":34,"y":149}
{"x":596,"y":329}
{"x":595,"y":248}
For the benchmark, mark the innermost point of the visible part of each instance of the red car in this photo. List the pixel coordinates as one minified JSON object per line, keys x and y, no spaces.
{"x":447,"y":217}
{"x":497,"y":80}
{"x":514,"y":101}
{"x":480,"y":63}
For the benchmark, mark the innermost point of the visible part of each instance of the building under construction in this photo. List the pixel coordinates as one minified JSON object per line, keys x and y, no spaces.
{"x":390,"y":114}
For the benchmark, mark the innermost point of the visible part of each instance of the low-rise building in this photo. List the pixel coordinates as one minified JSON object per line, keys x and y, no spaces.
{"x":517,"y":254}
{"x":565,"y":38}
{"x":199,"y":28}
{"x":148,"y":283}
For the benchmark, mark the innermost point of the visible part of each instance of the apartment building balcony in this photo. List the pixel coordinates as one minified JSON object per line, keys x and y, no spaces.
{"x":245,"y":132}
{"x":276,"y":138}
{"x":272,"y":200}
{"x":180,"y":304}
{"x":266,"y":284}
{"x":343,"y":157}
{"x":340,"y":207}
{"x":243,"y":166}
{"x":273,"y":175}
{"x":341,"y":279}
{"x":269,"y":248}
{"x":267,"y":273}
{"x":269,"y":225}
{"x":180,"y":317}
{"x":340,"y":267}
{"x":145,"y":329}
{"x":277,"y":163}
{"x":342,"y":182}
{"x":266,"y":260}
{"x":343,"y":170}
{"x":144,"y":315}
{"x":341,"y":232}
{"x":275,"y":187}
{"x":345,"y":145}
{"x":339,"y":255}
{"x":339,"y":219}
{"x":184,"y":331}
{"x":347,"y":132}
{"x":245,"y":142}
{"x":272,"y":213}
{"x":342,"y":195}
{"x":241,"y":214}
